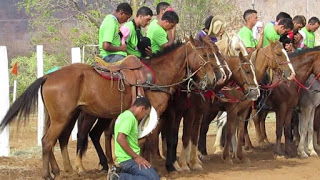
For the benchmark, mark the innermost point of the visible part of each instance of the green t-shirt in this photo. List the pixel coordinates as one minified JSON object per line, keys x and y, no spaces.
{"x":310,"y":38}
{"x":157,"y":36}
{"x":246,"y":36}
{"x":126,"y":123}
{"x":132,"y":40}
{"x":269,"y":34}
{"x":109,"y":32}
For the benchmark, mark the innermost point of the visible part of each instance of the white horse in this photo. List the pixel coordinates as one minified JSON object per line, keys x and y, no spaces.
{"x":308,"y":102}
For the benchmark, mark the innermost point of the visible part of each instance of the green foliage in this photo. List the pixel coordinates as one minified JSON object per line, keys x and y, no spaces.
{"x":27,"y":69}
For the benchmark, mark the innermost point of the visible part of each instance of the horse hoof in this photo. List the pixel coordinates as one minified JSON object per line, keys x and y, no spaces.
{"x":204,"y":157}
{"x":267,"y":142}
{"x":227,"y":161}
{"x":196,"y":167}
{"x":313,"y":154}
{"x":184,"y":169}
{"x":176,"y":166}
{"x":278,"y":157}
{"x":263,"y":145}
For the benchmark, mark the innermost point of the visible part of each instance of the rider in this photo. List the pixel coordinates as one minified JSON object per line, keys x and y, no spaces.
{"x":136,"y":44}
{"x":158,"y":32}
{"x":272,"y":32}
{"x":309,"y":29}
{"x":246,"y":35}
{"x":110,"y":45}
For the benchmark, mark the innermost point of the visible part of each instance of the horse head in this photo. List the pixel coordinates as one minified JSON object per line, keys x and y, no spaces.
{"x":216,"y":59}
{"x":244,"y":76}
{"x":232,"y":46}
{"x":199,"y":63}
{"x":278,"y":59}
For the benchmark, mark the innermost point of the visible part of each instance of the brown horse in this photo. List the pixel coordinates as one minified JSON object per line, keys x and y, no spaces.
{"x":272,"y":56}
{"x":242,"y":74}
{"x":78,"y":87}
{"x":95,"y":133}
{"x":284,"y":97}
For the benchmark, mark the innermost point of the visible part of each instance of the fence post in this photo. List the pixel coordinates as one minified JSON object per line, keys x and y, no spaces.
{"x":4,"y":100}
{"x":40,"y":103}
{"x":76,"y":58}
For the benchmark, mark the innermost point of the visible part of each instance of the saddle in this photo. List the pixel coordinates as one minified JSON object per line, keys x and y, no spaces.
{"x":130,"y":70}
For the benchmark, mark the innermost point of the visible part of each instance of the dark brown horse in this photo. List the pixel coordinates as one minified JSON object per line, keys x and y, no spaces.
{"x":284,"y":97}
{"x":272,"y":56}
{"x":212,"y":56}
{"x":78,"y":87}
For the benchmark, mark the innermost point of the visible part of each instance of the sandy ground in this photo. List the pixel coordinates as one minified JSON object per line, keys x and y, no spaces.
{"x":25,"y":160}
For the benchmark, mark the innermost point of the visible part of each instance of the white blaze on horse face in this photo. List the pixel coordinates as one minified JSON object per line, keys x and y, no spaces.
{"x":220,"y":68}
{"x":238,"y":46}
{"x":254,"y":75}
{"x":293,"y":73}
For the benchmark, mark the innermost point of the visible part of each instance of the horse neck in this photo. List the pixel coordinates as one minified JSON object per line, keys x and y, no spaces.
{"x":304,"y":64}
{"x":170,"y":68}
{"x":260,"y":64}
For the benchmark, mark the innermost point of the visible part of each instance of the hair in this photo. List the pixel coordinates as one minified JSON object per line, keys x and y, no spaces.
{"x":170,"y":16}
{"x":287,"y":23}
{"x":283,"y":15}
{"x":142,"y":101}
{"x":161,"y":6}
{"x":144,"y":11}
{"x":300,"y":19}
{"x":314,"y":20}
{"x":208,"y":22}
{"x":247,"y":13}
{"x":125,"y":7}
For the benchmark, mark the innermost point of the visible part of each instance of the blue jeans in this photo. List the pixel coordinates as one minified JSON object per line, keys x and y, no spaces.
{"x":131,"y":171}
{"x":113,"y":58}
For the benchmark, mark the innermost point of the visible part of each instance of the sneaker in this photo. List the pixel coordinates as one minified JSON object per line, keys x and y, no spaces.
{"x":113,"y":173}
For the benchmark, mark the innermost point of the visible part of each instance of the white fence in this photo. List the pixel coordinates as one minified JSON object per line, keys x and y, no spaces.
{"x":4,"y":98}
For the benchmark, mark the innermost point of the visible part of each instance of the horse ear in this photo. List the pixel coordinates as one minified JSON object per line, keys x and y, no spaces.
{"x":241,"y":56}
{"x":191,"y":39}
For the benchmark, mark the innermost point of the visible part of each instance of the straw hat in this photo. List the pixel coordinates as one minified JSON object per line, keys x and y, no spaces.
{"x":217,"y":23}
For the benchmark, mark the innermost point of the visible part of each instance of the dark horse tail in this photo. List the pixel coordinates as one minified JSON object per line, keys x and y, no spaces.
{"x":24,"y":104}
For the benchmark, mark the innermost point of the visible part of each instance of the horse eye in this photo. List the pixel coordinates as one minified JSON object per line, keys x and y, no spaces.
{"x":204,"y":55}
{"x":278,"y":54}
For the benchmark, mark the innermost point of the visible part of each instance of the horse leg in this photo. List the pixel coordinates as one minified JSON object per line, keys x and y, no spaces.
{"x":256,"y":120}
{"x":248,"y":145}
{"x":303,"y":126}
{"x":295,"y":126}
{"x":164,"y":137}
{"x":311,"y":150}
{"x":239,"y":152}
{"x":202,"y":144}
{"x":85,"y":122}
{"x":108,"y":133}
{"x":279,"y":129}
{"x":263,"y":128}
{"x":288,"y":139}
{"x":221,"y":122}
{"x":230,"y":131}
{"x":95,"y":135}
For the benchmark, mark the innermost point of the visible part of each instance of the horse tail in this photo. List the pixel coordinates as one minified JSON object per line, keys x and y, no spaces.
{"x":24,"y":104}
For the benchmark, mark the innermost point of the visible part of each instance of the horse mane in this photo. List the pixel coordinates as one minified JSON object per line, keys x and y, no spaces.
{"x":168,"y":49}
{"x":298,"y":53}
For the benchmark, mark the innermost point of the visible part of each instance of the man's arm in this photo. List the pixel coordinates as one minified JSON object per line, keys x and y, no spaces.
{"x":170,"y":40}
{"x":260,"y":42}
{"x":109,"y":47}
{"x":122,"y":140}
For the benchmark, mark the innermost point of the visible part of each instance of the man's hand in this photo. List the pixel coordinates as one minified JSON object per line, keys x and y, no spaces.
{"x":148,"y":51}
{"x":123,"y":47}
{"x":142,"y":162}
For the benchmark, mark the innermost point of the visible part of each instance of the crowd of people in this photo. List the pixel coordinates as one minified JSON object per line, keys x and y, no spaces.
{"x":116,"y":42}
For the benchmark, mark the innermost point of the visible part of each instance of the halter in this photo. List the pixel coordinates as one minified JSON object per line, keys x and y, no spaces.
{"x":303,"y":86}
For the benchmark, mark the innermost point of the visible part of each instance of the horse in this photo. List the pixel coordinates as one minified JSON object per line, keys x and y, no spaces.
{"x":284,"y":97}
{"x":78,"y":87}
{"x":232,"y":46}
{"x":308,"y":101}
{"x":242,"y":74}
{"x":272,"y":56}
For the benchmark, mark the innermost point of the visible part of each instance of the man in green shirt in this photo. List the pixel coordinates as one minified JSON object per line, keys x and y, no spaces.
{"x":127,"y":150}
{"x":246,"y":35}
{"x":309,"y":29}
{"x":272,"y":32}
{"x":157,"y":32}
{"x":142,"y":19}
{"x":110,"y":45}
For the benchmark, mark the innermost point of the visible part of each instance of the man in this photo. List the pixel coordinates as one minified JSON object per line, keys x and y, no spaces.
{"x":273,"y":32}
{"x":158,"y":32}
{"x":205,"y":30}
{"x":287,"y":40}
{"x":309,"y":29}
{"x":142,"y":19}
{"x":110,"y":45}
{"x":214,"y":28}
{"x":127,"y":150}
{"x":280,"y":16}
{"x":246,"y":34}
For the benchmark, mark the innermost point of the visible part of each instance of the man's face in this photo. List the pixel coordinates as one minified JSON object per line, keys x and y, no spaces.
{"x":313,"y":27}
{"x":168,"y":26}
{"x":297,"y":26}
{"x":283,"y":30}
{"x":142,"y":112}
{"x":123,"y":17}
{"x":144,"y":20}
{"x":253,"y":19}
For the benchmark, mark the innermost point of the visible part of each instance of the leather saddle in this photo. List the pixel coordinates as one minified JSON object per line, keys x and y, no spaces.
{"x":130,"y":70}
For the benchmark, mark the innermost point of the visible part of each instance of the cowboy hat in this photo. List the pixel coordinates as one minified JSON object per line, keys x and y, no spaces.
{"x":148,"y":123}
{"x":217,"y":23}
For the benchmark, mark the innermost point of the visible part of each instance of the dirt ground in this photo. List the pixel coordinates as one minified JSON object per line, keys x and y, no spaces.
{"x":25,"y":160}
